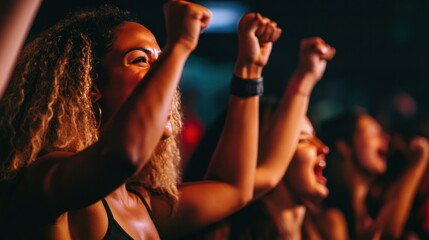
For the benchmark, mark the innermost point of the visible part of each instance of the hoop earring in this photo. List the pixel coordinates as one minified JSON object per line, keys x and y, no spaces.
{"x":98,"y":113}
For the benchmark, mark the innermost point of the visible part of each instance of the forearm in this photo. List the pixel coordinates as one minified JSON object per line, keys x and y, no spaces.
{"x":16,"y":19}
{"x":400,"y":199}
{"x":234,"y":160}
{"x":137,"y":127}
{"x":280,"y":139}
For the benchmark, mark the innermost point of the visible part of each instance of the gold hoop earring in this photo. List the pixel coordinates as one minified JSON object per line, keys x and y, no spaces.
{"x":98,"y":113}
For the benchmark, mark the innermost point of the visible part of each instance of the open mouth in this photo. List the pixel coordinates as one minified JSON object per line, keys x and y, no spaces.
{"x":318,"y":171}
{"x":382,"y":153}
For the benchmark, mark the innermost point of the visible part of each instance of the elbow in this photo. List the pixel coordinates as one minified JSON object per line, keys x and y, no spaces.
{"x":128,"y":164}
{"x":121,"y":159}
{"x":245,"y":198}
{"x":131,"y":163}
{"x":240,"y":197}
{"x":243,"y":201}
{"x":270,"y":184}
{"x":135,"y":159}
{"x":265,"y":184}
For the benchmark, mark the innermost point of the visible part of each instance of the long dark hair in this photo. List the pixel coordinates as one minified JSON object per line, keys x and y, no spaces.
{"x":340,"y":127}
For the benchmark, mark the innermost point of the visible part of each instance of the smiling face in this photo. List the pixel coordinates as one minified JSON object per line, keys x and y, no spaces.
{"x":128,"y":60}
{"x":304,"y":175}
{"x":370,"y":145}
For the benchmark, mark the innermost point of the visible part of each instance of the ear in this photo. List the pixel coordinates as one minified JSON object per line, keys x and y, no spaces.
{"x":95,"y":93}
{"x":343,"y":149}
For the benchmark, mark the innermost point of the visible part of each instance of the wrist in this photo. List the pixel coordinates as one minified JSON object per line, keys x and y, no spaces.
{"x":245,"y":88}
{"x":301,"y":83}
{"x":179,"y":48}
{"x":248,"y":71}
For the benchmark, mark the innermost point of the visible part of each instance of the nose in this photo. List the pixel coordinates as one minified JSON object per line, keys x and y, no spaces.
{"x":322,"y":148}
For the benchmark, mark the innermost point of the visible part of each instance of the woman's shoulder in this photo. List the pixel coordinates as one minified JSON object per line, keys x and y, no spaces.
{"x":335,"y":224}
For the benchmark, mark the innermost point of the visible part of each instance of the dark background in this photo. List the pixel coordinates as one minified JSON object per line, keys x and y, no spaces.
{"x":382,"y":52}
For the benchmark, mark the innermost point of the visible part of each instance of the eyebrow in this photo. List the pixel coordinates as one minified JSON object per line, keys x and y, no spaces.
{"x":145,"y":50}
{"x":307,"y":133}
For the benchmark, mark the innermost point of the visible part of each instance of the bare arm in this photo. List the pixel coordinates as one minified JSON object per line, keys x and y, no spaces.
{"x":231,"y":172}
{"x":280,"y":139}
{"x":16,"y":17}
{"x":392,"y":218}
{"x":61,"y":182}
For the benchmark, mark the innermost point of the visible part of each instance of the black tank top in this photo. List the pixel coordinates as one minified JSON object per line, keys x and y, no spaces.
{"x":114,"y":230}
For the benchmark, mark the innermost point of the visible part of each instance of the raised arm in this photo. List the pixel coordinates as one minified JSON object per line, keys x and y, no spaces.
{"x":256,"y":35}
{"x":392,"y":218}
{"x":62,"y":181}
{"x":230,"y":176}
{"x":279,"y":140}
{"x":16,"y":17}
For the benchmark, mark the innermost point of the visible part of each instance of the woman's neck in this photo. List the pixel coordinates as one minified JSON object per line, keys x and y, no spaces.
{"x":123,"y":196}
{"x":358,"y":185}
{"x":286,"y":211}
{"x":357,"y":181}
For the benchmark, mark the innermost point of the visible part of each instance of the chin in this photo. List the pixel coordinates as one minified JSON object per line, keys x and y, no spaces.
{"x":380,"y":169}
{"x":317,"y":193}
{"x":324,"y":193}
{"x":321,"y":192}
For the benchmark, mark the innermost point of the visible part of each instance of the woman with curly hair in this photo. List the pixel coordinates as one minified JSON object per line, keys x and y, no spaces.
{"x":70,"y":172}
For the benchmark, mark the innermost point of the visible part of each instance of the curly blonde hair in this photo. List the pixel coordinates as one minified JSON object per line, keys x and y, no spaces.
{"x":47,"y":105}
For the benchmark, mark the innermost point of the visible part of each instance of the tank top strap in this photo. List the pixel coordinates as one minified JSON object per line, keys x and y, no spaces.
{"x":108,"y":211}
{"x":114,"y":230}
{"x":149,"y":210}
